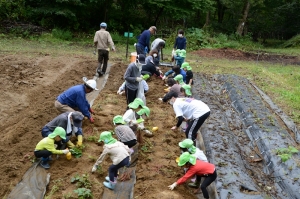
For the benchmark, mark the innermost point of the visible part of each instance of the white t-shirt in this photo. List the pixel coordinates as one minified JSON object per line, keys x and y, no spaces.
{"x":189,"y":108}
{"x":200,"y":155}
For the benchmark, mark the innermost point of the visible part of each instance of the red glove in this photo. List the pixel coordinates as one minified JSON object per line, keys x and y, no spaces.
{"x":91,"y":119}
{"x":91,"y":111}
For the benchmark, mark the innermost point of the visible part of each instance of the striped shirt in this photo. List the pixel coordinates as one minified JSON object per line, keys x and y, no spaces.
{"x":124,"y":133}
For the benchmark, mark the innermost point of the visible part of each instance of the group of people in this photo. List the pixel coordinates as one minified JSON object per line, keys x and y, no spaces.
{"x":74,"y":106}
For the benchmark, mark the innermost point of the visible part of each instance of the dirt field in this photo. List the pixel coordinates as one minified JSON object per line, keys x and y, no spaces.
{"x":29,"y":86}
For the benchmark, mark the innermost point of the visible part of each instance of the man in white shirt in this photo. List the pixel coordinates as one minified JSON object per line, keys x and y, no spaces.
{"x":195,"y":112}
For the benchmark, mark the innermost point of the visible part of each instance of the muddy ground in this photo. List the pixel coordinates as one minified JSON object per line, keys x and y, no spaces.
{"x":30,"y":84}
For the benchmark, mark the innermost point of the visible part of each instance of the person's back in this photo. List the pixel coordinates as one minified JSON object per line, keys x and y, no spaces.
{"x":71,"y":95}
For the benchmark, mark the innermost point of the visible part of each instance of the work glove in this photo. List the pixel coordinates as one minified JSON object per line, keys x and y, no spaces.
{"x":139,"y":79}
{"x":79,"y":142}
{"x":94,"y":52}
{"x":164,"y":77}
{"x":119,"y":92}
{"x":70,"y":144}
{"x":92,"y":120}
{"x":91,"y":111}
{"x":65,"y":151}
{"x":160,"y":99}
{"x":171,"y":187}
{"x":113,"y":48}
{"x":94,"y":168}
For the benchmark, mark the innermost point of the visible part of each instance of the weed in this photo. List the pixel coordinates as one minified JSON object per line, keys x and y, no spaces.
{"x":286,"y":153}
{"x":57,"y":184}
{"x":92,"y":138}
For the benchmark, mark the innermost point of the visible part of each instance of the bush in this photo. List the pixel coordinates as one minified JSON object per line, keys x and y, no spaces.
{"x":293,"y":42}
{"x":62,"y":34}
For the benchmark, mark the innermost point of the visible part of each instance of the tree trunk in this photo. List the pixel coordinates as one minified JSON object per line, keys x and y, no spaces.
{"x":207,"y":20}
{"x":246,"y":8}
{"x":221,"y":11}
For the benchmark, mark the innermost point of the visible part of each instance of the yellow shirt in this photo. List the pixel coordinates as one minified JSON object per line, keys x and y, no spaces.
{"x":47,"y":144}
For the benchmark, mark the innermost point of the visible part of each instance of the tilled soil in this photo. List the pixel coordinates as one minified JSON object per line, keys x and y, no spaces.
{"x":30,"y":84}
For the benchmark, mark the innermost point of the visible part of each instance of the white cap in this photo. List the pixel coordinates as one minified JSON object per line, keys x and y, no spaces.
{"x":90,"y":83}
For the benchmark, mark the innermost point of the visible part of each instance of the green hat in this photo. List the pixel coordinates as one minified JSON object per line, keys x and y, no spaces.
{"x":178,"y":77}
{"x":144,"y":110}
{"x":118,"y":119}
{"x":58,"y":131}
{"x":136,"y":103}
{"x":188,"y":67}
{"x":184,"y":65}
{"x":107,"y":138}
{"x":186,"y":157}
{"x":177,"y":51}
{"x":187,"y":89}
{"x":188,"y":144}
{"x":146,"y":76}
{"x":182,"y":53}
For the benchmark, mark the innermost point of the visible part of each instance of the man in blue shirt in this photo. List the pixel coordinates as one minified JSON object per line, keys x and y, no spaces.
{"x":144,"y":40}
{"x":75,"y":98}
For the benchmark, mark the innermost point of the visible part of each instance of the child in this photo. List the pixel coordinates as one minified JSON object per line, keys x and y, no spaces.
{"x":176,"y":70}
{"x":179,"y":79}
{"x":198,"y":168}
{"x":46,"y":147}
{"x":173,"y":87}
{"x":179,"y":57}
{"x":135,"y":115}
{"x":124,"y":132}
{"x":187,"y":145}
{"x":118,"y":153}
{"x":180,"y":41}
{"x":145,"y":85}
{"x":186,"y":88}
{"x":189,"y":74}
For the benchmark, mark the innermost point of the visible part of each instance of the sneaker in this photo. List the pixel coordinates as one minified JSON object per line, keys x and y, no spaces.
{"x":45,"y":164}
{"x":194,"y":185}
{"x":107,"y":178}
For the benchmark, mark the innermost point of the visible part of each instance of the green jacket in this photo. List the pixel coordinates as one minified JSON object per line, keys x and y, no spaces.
{"x":47,"y":144}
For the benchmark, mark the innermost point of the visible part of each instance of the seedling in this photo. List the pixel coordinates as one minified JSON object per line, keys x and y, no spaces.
{"x":92,"y":138}
{"x":76,"y":152}
{"x":83,"y":193}
{"x":286,"y":153}
{"x":82,"y":181}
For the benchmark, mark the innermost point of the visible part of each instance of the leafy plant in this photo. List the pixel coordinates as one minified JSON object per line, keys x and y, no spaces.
{"x":76,"y":152}
{"x":286,"y":153}
{"x":83,"y":193}
{"x":82,"y":181}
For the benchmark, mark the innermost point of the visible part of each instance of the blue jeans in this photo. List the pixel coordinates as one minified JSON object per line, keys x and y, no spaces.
{"x":113,"y":169}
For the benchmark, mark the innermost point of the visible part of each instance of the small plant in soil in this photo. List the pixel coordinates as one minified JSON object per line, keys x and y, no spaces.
{"x":92,"y":138}
{"x":82,"y":181}
{"x":76,"y":152}
{"x":286,"y":153}
{"x":83,"y":193}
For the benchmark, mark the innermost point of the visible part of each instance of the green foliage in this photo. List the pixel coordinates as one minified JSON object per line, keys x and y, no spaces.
{"x":76,"y":152}
{"x":62,"y":34}
{"x":82,"y":181}
{"x":286,"y":153}
{"x":83,"y":193}
{"x":293,"y":42}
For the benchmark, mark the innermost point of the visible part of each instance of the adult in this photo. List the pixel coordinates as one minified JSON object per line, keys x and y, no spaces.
{"x":71,"y":122}
{"x":158,"y":44}
{"x":152,"y":57}
{"x":150,"y":69}
{"x":133,"y":77}
{"x":102,"y":40}
{"x":144,"y":40}
{"x":198,"y":168}
{"x":75,"y":98}
{"x":192,"y":110}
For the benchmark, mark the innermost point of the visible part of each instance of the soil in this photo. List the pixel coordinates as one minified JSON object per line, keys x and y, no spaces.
{"x":29,"y":86}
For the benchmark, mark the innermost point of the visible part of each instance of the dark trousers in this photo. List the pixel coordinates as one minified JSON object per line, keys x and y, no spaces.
{"x":130,"y":94}
{"x":130,"y":143}
{"x":140,"y":49}
{"x":42,"y":154}
{"x":206,"y":182}
{"x":194,"y":126}
{"x":113,"y":169}
{"x":102,"y":58}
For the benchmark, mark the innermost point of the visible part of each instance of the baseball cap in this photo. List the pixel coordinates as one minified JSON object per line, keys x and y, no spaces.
{"x":141,"y":58}
{"x":77,"y":118}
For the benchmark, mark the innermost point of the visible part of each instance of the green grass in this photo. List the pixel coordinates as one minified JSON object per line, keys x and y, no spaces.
{"x":280,"y":82}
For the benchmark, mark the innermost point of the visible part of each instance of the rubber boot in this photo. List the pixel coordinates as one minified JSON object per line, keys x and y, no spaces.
{"x":70,"y":144}
{"x":44,"y":163}
{"x":111,"y":185}
{"x":195,"y":184}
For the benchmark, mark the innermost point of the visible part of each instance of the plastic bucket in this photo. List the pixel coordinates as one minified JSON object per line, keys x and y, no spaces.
{"x":133,"y":57}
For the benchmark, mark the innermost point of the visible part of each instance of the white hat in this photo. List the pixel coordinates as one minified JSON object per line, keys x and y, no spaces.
{"x":90,"y":83}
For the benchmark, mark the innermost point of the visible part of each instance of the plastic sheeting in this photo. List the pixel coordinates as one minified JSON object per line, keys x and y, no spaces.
{"x":241,"y":138}
{"x":33,"y":184}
